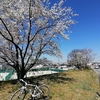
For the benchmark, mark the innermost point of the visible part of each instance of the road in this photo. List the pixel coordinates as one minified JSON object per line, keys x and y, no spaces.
{"x":97,"y":70}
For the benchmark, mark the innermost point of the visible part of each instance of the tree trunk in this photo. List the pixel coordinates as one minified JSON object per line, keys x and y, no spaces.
{"x":21,"y":74}
{"x":78,"y":66}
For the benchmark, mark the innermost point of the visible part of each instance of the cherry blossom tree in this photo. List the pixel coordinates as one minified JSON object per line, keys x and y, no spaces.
{"x":29,"y":29}
{"x":80,"y":57}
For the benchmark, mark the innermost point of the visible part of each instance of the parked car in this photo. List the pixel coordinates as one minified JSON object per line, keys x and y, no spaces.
{"x":97,"y":67}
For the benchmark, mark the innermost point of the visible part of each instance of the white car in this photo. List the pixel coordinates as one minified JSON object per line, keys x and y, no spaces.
{"x":96,"y":67}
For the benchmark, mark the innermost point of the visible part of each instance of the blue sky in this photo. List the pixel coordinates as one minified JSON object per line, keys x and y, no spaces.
{"x":86,"y":33}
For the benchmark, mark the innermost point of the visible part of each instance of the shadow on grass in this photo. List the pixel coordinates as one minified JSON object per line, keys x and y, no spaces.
{"x":55,"y":78}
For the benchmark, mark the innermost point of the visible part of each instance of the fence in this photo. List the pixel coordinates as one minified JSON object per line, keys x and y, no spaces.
{"x":6,"y":74}
{"x":57,"y":70}
{"x":9,"y":75}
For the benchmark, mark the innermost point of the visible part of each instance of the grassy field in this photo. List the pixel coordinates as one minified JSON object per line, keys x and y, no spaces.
{"x":71,"y":85}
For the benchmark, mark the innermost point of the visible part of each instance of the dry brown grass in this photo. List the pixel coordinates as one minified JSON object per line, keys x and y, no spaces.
{"x":71,"y":85}
{"x":77,"y":85}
